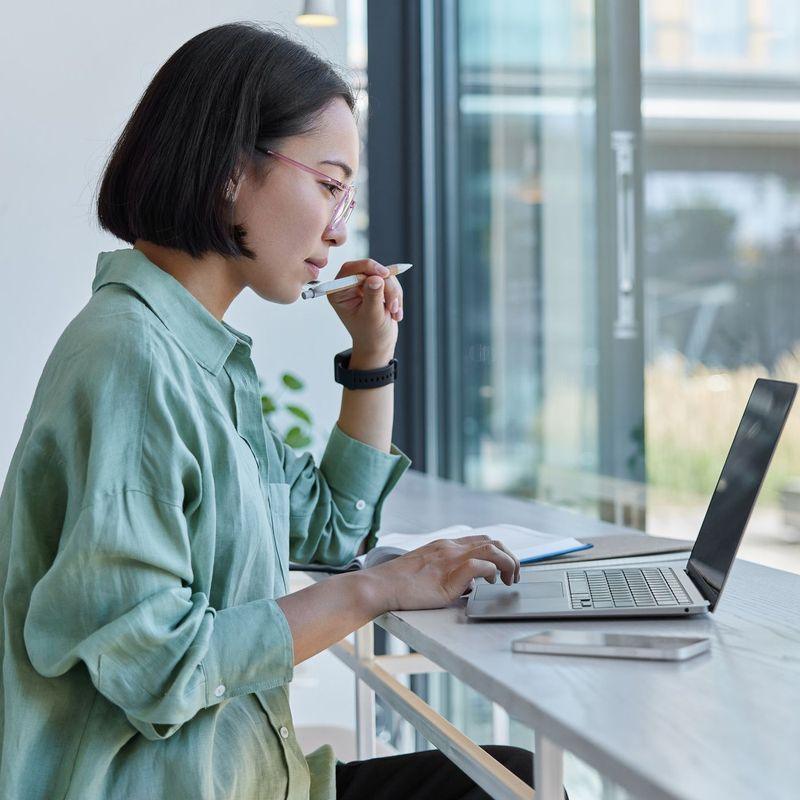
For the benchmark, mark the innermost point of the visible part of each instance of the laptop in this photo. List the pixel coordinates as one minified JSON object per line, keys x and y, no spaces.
{"x":660,"y":588}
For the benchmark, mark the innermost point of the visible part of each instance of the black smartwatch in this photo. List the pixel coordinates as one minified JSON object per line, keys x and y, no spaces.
{"x":362,"y":379}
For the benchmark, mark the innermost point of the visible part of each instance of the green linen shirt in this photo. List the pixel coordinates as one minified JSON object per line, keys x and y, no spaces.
{"x":146,"y":524}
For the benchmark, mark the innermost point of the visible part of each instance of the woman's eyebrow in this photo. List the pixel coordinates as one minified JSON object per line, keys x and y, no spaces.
{"x":348,"y":172}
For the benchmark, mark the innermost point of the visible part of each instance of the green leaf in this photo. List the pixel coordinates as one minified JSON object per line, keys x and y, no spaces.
{"x":296,"y":438}
{"x":292,"y":381}
{"x":299,"y":412}
{"x":267,"y":404}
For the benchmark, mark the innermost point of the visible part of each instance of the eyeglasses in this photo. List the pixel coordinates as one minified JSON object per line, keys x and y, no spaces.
{"x":347,"y":203}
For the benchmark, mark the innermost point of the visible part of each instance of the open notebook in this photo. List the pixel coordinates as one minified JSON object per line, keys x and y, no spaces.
{"x":528,"y":545}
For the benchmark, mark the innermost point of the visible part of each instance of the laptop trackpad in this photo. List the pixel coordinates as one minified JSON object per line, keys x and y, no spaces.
{"x":523,"y":591}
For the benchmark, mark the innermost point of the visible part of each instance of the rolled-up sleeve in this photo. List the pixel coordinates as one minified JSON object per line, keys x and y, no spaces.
{"x":119,"y":598}
{"x":337,"y":505}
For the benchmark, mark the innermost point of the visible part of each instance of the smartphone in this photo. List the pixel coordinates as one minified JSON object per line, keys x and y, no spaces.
{"x":612,"y":645}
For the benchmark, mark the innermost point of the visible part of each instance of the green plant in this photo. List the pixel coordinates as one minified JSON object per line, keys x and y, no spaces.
{"x":300,"y":431}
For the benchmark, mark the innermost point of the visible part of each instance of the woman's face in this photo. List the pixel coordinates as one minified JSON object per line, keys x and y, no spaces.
{"x":287,"y":216}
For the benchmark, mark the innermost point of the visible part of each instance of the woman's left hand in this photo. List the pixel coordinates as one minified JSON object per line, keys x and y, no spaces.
{"x":371,"y":310}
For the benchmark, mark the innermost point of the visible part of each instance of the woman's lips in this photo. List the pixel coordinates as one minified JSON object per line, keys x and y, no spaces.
{"x":314,"y":270}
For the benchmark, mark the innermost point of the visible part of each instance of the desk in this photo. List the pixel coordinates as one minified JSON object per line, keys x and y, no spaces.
{"x":725,"y":724}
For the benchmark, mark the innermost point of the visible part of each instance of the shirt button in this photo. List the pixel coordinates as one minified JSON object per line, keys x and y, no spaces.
{"x":360,"y":504}
{"x":284,"y":732}
{"x":220,"y":690}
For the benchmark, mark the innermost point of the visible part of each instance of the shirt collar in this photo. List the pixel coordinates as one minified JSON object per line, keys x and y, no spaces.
{"x":208,"y":340}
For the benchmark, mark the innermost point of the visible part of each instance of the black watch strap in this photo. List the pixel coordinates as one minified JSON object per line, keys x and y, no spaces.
{"x":362,"y":379}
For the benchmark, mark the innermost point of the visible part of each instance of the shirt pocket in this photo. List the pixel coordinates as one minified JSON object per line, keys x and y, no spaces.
{"x":278,"y":499}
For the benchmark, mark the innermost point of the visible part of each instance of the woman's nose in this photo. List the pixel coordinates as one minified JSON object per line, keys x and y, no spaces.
{"x":337,"y":235}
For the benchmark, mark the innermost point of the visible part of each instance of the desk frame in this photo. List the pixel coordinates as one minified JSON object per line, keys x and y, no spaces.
{"x":375,"y":675}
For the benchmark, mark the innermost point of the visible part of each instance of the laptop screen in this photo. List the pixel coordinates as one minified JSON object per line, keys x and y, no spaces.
{"x":738,"y":486}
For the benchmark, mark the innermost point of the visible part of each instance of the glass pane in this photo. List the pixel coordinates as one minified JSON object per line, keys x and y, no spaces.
{"x":741,"y":38}
{"x":527,"y":266}
{"x":721,"y":112}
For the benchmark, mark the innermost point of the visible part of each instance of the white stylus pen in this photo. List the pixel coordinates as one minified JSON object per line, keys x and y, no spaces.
{"x":316,"y":289}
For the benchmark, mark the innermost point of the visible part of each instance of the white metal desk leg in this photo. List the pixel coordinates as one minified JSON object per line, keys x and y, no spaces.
{"x":365,"y":697}
{"x":500,"y":725}
{"x":548,"y":769}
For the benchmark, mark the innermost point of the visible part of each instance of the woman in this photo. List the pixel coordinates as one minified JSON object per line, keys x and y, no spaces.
{"x":148,"y":514}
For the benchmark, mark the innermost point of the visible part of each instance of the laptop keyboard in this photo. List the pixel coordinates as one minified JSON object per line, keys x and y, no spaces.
{"x":625,"y":588}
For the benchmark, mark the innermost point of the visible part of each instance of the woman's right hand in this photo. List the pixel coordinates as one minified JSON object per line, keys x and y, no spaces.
{"x":438,"y":573}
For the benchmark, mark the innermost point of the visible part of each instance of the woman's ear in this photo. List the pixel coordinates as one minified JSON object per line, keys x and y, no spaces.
{"x":235,"y":180}
{"x":232,"y":190}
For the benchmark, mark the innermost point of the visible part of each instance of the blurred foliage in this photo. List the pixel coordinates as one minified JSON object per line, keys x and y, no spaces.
{"x":691,"y":414}
{"x":299,"y":433}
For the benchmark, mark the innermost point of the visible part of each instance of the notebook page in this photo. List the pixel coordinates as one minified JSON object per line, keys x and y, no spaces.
{"x":525,"y":543}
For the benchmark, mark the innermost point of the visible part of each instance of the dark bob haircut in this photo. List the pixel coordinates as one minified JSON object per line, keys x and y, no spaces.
{"x":222,"y":93}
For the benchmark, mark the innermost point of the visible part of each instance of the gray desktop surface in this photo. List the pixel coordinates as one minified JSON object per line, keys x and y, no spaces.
{"x":723,"y":725}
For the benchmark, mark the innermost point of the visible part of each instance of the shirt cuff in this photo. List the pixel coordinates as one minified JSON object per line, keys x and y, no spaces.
{"x":251,"y":649}
{"x":361,"y":477}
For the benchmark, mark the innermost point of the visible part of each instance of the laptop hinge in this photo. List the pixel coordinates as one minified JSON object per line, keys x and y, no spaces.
{"x":708,"y":592}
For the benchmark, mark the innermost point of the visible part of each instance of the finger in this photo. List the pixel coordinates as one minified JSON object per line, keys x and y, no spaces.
{"x":482,"y":538}
{"x":362,"y":266}
{"x":394,"y":298}
{"x":499,"y":544}
{"x":472,"y":568}
{"x":373,"y":295}
{"x":348,"y":295}
{"x":394,"y":291}
{"x":504,"y":561}
{"x":473,"y":538}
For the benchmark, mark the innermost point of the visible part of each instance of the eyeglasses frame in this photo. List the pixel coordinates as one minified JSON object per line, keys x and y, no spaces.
{"x":344,"y":207}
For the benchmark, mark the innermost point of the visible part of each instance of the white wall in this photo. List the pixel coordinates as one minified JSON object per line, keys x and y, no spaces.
{"x":70,"y":76}
{"x":69,"y":79}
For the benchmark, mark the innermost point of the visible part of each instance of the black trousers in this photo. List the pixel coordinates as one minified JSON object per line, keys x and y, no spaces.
{"x":427,"y":775}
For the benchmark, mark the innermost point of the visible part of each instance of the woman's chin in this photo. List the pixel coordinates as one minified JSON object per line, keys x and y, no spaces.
{"x":283,"y":294}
